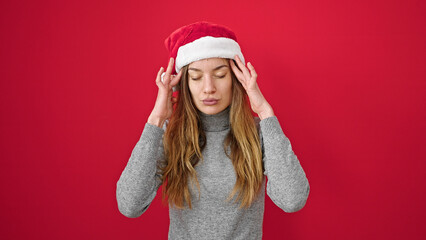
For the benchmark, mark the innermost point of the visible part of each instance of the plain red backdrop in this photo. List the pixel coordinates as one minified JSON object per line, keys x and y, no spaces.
{"x":346,"y":79}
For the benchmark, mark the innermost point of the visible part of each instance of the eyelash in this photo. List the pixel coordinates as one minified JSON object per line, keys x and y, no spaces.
{"x":194,"y":79}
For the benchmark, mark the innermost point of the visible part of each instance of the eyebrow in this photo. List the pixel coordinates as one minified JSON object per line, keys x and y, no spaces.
{"x":216,"y":68}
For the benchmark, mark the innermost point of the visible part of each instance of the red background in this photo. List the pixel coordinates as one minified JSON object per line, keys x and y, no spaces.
{"x":346,"y":79}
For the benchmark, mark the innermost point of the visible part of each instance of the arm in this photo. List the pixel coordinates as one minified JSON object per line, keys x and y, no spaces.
{"x":287,"y":184}
{"x":139,"y":181}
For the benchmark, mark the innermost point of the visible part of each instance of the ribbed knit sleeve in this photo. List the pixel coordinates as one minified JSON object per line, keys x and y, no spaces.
{"x":287,"y":184}
{"x":140,"y":180}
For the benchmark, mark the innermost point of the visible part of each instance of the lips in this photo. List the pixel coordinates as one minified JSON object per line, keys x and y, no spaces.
{"x":210,"y":101}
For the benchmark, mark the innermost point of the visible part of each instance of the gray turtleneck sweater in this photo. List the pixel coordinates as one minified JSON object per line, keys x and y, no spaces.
{"x":211,"y":217}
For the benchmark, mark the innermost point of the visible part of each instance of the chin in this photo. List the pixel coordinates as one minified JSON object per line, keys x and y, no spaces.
{"x":211,"y":110}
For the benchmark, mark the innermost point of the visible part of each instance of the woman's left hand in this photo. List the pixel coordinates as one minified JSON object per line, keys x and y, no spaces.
{"x":248,"y":79}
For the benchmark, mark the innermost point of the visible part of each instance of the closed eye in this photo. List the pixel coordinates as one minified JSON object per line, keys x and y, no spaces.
{"x":194,"y":79}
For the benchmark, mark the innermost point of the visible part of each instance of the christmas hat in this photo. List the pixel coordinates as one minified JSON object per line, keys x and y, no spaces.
{"x":201,"y":40}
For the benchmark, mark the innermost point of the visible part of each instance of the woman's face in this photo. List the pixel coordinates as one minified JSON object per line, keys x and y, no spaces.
{"x":210,"y":84}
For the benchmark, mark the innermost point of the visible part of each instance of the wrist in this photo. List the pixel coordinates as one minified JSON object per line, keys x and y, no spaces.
{"x":267,"y":112}
{"x":153,"y":120}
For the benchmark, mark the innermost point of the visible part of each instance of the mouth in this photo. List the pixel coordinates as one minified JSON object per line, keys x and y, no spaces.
{"x":210,"y":101}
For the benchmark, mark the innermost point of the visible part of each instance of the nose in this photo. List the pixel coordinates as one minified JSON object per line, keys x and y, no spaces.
{"x":209,"y":86}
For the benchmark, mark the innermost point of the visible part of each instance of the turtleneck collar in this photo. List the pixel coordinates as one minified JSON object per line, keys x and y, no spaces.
{"x":216,"y":122}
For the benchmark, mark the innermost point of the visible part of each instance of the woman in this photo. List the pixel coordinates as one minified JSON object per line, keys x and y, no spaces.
{"x":209,"y":153}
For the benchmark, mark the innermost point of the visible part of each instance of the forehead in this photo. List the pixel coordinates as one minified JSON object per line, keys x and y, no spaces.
{"x":208,"y":64}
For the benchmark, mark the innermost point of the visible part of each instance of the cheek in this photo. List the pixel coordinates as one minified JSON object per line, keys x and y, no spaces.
{"x":226,"y":89}
{"x":229,"y":88}
{"x":193,"y":89}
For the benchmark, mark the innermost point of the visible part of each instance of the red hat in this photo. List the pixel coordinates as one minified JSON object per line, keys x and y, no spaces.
{"x":201,"y":40}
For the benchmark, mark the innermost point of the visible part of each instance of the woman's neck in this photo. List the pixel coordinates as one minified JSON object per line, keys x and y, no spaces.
{"x":216,"y":122}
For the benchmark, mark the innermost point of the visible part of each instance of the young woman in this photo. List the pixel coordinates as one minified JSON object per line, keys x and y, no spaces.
{"x":206,"y":149}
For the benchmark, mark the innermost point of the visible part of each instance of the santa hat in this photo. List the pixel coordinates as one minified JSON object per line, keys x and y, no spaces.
{"x":201,"y":40}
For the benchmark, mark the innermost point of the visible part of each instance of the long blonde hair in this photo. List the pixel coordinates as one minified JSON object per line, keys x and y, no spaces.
{"x":184,"y":141}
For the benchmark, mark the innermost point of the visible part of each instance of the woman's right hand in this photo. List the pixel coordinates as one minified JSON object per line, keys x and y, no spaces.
{"x":164,"y":104}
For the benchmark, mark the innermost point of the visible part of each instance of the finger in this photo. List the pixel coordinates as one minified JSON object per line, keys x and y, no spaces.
{"x":252,"y":71}
{"x":158,"y":79}
{"x":235,"y":62}
{"x":176,"y":79}
{"x":237,"y":72}
{"x":234,"y":68}
{"x":239,"y":75}
{"x":168,"y":71}
{"x":242,"y":67}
